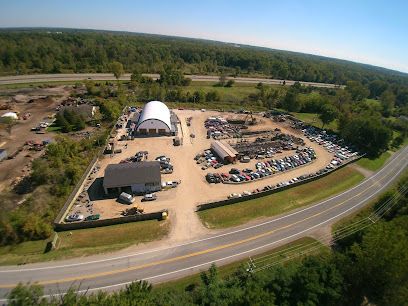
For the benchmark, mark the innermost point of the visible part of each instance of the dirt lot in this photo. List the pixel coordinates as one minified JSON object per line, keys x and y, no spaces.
{"x":181,"y":201}
{"x":25,"y":101}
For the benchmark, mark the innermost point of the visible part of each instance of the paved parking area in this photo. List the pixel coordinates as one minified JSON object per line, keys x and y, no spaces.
{"x":194,"y":189}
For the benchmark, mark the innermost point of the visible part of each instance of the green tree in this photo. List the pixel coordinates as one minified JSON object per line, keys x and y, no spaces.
{"x":387,"y":100}
{"x":117,"y":69}
{"x":291,"y":102}
{"x":229,"y":83}
{"x":357,"y":90}
{"x":366,"y":132}
{"x":222,"y":79}
{"x":327,"y":114}
{"x":378,"y":267}
{"x":377,"y":87}
{"x":26,"y":295}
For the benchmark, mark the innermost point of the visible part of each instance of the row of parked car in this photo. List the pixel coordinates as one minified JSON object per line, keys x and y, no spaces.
{"x":264,"y":168}
{"x":165,"y":165}
{"x":208,"y":159}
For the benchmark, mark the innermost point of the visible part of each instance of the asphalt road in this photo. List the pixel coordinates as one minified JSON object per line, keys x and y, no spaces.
{"x":113,"y":271}
{"x":40,"y":78}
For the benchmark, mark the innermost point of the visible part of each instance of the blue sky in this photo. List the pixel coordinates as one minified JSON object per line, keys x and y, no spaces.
{"x":373,"y":32}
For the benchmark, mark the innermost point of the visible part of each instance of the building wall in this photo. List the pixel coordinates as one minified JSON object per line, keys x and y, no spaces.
{"x":152,"y":126}
{"x":147,"y":187}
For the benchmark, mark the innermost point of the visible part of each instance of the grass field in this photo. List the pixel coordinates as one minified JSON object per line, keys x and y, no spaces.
{"x":85,"y":242}
{"x":374,"y":164}
{"x":281,"y":202}
{"x":226,"y":270}
{"x":313,"y":119}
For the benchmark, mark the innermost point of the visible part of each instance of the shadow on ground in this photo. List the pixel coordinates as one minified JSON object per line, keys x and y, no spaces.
{"x":96,"y":192}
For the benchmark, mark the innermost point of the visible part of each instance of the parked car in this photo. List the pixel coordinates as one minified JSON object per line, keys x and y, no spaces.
{"x":126,"y":198}
{"x":149,"y":197}
{"x":74,"y":217}
{"x":245,"y":159}
{"x":93,"y":217}
{"x":234,"y":195}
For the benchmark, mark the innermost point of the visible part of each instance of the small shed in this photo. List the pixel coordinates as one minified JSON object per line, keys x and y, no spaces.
{"x":224,"y":151}
{"x":11,"y":115}
{"x":3,"y":154}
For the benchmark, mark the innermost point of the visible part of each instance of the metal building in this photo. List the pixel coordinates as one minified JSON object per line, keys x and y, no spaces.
{"x":154,"y":119}
{"x":136,"y":178}
{"x":224,"y":151}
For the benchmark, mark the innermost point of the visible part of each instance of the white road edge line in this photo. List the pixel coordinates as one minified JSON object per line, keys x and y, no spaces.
{"x":230,"y":256}
{"x":394,"y":158}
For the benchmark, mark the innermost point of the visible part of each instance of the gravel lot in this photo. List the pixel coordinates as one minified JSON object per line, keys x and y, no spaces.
{"x":181,"y":201}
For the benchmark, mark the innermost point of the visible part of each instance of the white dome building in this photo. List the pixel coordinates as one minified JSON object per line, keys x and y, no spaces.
{"x":154,"y":119}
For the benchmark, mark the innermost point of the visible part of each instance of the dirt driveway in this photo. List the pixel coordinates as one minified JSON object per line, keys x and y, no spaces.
{"x":194,"y":189}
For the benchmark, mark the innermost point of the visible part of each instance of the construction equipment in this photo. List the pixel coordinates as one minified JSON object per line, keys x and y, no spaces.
{"x":250,"y":119}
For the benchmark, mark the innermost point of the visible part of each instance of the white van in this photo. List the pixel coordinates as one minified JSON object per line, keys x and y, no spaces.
{"x":126,"y":198}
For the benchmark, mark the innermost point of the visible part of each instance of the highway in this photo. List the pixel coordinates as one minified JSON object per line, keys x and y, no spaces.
{"x":41,"y":78}
{"x":161,"y":264}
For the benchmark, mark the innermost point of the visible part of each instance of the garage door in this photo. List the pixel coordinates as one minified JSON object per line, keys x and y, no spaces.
{"x":162,"y":131}
{"x":143,"y":131}
{"x":152,"y":131}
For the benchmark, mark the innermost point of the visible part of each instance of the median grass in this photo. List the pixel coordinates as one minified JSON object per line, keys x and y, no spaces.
{"x":85,"y":242}
{"x":281,"y":202}
{"x":279,"y":253}
{"x":374,"y":164}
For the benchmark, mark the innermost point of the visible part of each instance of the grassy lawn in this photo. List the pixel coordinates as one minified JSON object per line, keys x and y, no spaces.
{"x":374,"y":164}
{"x":313,"y":119}
{"x":281,"y":202}
{"x":234,"y":93}
{"x":53,"y":128}
{"x":85,"y":242}
{"x":226,"y":270}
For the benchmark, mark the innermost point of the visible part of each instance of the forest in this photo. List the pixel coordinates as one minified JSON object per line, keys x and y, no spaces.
{"x":369,"y":267}
{"x":43,"y":50}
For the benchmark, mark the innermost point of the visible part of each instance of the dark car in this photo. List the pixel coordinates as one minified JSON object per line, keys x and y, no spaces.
{"x":234,"y":171}
{"x":93,"y":217}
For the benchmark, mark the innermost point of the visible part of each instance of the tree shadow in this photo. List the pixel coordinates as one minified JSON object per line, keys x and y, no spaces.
{"x":26,"y":185}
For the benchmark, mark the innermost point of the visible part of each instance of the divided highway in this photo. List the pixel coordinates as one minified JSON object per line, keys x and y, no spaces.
{"x":41,"y":78}
{"x":113,"y":271}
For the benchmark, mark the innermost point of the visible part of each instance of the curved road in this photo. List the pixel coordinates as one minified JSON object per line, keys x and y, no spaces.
{"x":39,"y":78}
{"x":113,"y":271}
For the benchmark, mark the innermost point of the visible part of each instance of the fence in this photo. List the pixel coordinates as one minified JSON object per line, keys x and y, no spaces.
{"x":104,"y":222}
{"x":205,"y":206}
{"x":79,"y":186}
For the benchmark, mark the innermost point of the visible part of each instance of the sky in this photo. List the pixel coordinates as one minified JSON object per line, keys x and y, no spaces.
{"x":372,"y":32}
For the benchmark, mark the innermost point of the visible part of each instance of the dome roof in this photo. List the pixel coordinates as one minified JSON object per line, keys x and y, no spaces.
{"x":155,"y":110}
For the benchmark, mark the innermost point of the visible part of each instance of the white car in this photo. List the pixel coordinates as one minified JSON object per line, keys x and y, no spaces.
{"x":74,"y":217}
{"x":234,"y":195}
{"x":149,"y":197}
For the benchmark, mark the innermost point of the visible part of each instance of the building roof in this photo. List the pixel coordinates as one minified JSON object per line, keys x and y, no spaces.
{"x":155,"y":110}
{"x":127,"y":174}
{"x":223,"y":149}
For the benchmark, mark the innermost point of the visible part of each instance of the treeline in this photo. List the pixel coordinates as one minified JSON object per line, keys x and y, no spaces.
{"x":369,"y":267}
{"x":36,"y":51}
{"x":366,"y":124}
